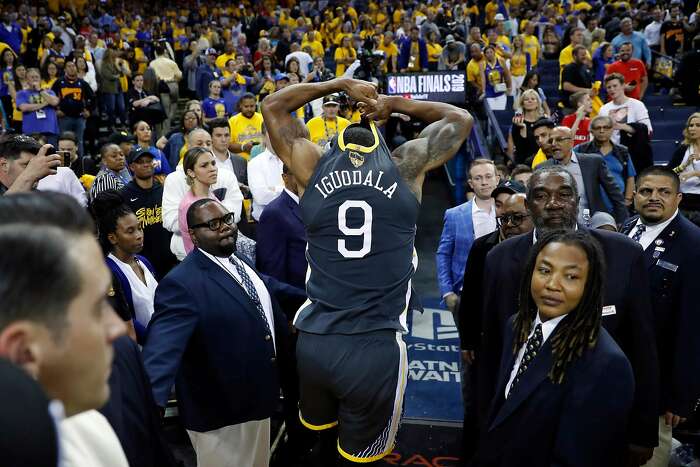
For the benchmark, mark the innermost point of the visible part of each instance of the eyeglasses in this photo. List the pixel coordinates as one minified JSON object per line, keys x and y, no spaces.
{"x":515,"y":219}
{"x":604,"y":127}
{"x":215,"y":224}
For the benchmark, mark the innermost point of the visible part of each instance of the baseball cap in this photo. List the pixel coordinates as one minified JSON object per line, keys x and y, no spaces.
{"x":331,"y":99}
{"x":281,"y":76}
{"x":602,"y":218}
{"x":121,"y":137}
{"x":508,"y":186}
{"x":499,"y":17}
{"x":212,"y":51}
{"x":137,"y":154}
{"x":449,"y":39}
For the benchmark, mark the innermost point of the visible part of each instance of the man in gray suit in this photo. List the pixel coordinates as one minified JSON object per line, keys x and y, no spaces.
{"x":590,"y":173}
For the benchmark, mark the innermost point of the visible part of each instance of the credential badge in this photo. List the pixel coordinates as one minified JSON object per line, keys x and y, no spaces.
{"x":356,"y":158}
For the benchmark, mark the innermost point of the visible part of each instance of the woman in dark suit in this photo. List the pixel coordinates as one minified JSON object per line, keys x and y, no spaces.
{"x":565,"y":388}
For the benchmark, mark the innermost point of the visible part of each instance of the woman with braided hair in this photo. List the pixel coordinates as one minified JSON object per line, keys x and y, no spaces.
{"x":565,"y":388}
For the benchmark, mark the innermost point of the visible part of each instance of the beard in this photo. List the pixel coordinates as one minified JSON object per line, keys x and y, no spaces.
{"x":567,"y":222}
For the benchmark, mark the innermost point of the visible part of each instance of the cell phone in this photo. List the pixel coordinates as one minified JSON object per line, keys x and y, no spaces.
{"x":65,"y":158}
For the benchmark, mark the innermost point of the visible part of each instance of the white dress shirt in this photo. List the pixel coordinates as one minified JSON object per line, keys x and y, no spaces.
{"x":142,"y":295}
{"x":88,"y":440}
{"x":264,"y":180}
{"x":295,"y":197}
{"x":64,"y":181}
{"x":484,"y":221}
{"x":174,"y":190}
{"x":547,"y":328}
{"x":651,"y":232}
{"x":260,"y":288}
{"x":652,"y":33}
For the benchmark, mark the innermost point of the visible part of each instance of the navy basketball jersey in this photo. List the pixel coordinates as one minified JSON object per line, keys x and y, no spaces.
{"x":360,"y":219}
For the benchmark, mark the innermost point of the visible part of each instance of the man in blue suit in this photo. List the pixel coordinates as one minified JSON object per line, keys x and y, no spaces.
{"x":552,"y":201}
{"x":413,"y":52}
{"x":672,"y":257}
{"x":217,"y":333}
{"x":281,"y":239}
{"x":464,"y":224}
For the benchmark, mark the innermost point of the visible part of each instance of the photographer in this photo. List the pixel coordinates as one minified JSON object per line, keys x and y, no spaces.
{"x":319,"y":74}
{"x":23,"y":162}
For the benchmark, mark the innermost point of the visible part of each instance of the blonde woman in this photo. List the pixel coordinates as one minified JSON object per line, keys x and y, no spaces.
{"x":201,"y":172}
{"x":686,"y":163}
{"x":522,"y":145}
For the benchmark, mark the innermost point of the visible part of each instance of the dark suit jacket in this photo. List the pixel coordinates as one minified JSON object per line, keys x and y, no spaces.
{"x":471,"y":301}
{"x":595,"y":174}
{"x":673,"y":262}
{"x":281,"y":241}
{"x":131,"y":410}
{"x":580,"y":422}
{"x":207,"y":337}
{"x":626,"y":288}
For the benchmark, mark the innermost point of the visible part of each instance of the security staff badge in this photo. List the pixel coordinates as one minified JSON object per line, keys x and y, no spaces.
{"x":356,"y":158}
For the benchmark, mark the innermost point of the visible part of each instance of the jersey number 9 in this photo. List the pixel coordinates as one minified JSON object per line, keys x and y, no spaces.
{"x":365,"y":229}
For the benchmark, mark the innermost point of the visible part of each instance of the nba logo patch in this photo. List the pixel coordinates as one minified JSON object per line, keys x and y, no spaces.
{"x":356,"y":158}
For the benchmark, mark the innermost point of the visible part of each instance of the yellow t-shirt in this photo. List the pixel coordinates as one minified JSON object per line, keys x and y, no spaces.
{"x":139,"y":55}
{"x":434,"y":51}
{"x":223,"y":58}
{"x":246,"y":129}
{"x":390,"y":51}
{"x":179,"y":34}
{"x":322,"y":131}
{"x":474,"y":70}
{"x":317,"y":49}
{"x":532,"y":46}
{"x":539,"y":158}
{"x":340,"y":53}
{"x":47,"y":84}
{"x":518,"y":64}
{"x":490,"y":10}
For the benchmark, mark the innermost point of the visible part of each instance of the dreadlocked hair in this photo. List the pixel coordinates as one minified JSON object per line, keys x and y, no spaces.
{"x":107,"y":208}
{"x":579,"y":330}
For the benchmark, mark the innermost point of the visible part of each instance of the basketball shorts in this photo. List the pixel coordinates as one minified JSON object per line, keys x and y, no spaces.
{"x":355,"y":382}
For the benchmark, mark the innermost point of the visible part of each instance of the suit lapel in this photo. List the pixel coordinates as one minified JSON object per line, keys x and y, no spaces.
{"x":293,"y":206}
{"x":228,"y":284}
{"x":529,"y":380}
{"x":663,"y":241}
{"x":589,"y":177}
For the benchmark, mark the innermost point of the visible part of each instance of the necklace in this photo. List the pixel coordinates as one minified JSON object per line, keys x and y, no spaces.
{"x":325,"y":128}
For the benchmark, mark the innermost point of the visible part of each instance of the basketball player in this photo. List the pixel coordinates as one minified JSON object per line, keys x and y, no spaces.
{"x":359,"y":204}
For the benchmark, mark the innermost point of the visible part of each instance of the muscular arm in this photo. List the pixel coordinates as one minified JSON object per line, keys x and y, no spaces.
{"x":288,"y":135}
{"x":448,"y":127}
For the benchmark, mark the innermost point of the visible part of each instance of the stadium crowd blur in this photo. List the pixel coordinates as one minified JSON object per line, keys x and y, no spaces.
{"x":150,"y":107}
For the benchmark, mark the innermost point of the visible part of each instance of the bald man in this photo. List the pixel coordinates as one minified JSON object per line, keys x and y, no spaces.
{"x":591,"y":174}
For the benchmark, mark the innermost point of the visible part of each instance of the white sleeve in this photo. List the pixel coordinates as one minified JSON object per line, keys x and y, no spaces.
{"x":262,"y":193}
{"x":641,"y":114}
{"x":174,"y":190}
{"x":233,"y":201}
{"x":604,"y":111}
{"x":74,"y":187}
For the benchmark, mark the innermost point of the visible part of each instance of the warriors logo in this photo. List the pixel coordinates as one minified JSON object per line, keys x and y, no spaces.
{"x":356,"y":158}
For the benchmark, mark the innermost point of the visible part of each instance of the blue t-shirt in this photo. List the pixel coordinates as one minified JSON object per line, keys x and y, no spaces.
{"x":213,"y":108}
{"x":6,"y":75}
{"x":617,"y":171}
{"x":38,"y":121}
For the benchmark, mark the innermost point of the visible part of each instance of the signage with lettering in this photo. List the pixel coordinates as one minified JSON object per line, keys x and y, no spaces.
{"x":439,"y":86}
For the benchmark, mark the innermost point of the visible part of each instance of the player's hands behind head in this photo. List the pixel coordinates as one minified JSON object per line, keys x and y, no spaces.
{"x":361,"y":91}
{"x":379,"y":111}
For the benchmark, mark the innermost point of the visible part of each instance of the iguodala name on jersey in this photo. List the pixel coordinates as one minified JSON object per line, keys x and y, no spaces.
{"x":342,"y":178}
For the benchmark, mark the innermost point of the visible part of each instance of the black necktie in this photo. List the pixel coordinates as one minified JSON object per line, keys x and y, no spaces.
{"x":532,"y":346}
{"x":250,"y":289}
{"x":641,"y":228}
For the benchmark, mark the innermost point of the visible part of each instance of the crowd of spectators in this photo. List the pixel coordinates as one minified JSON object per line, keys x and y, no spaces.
{"x":151,"y":120}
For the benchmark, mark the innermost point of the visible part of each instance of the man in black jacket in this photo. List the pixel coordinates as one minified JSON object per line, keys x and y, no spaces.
{"x":76,"y":101}
{"x":552,"y":201}
{"x":513,"y":220}
{"x":144,"y":195}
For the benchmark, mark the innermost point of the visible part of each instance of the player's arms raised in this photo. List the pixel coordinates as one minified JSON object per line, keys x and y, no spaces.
{"x":448,"y":127}
{"x":288,"y":135}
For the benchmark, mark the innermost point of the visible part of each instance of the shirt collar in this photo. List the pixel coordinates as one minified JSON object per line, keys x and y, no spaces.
{"x":659,"y":227}
{"x":292,"y":195}
{"x":548,"y":326}
{"x":476,"y":208}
